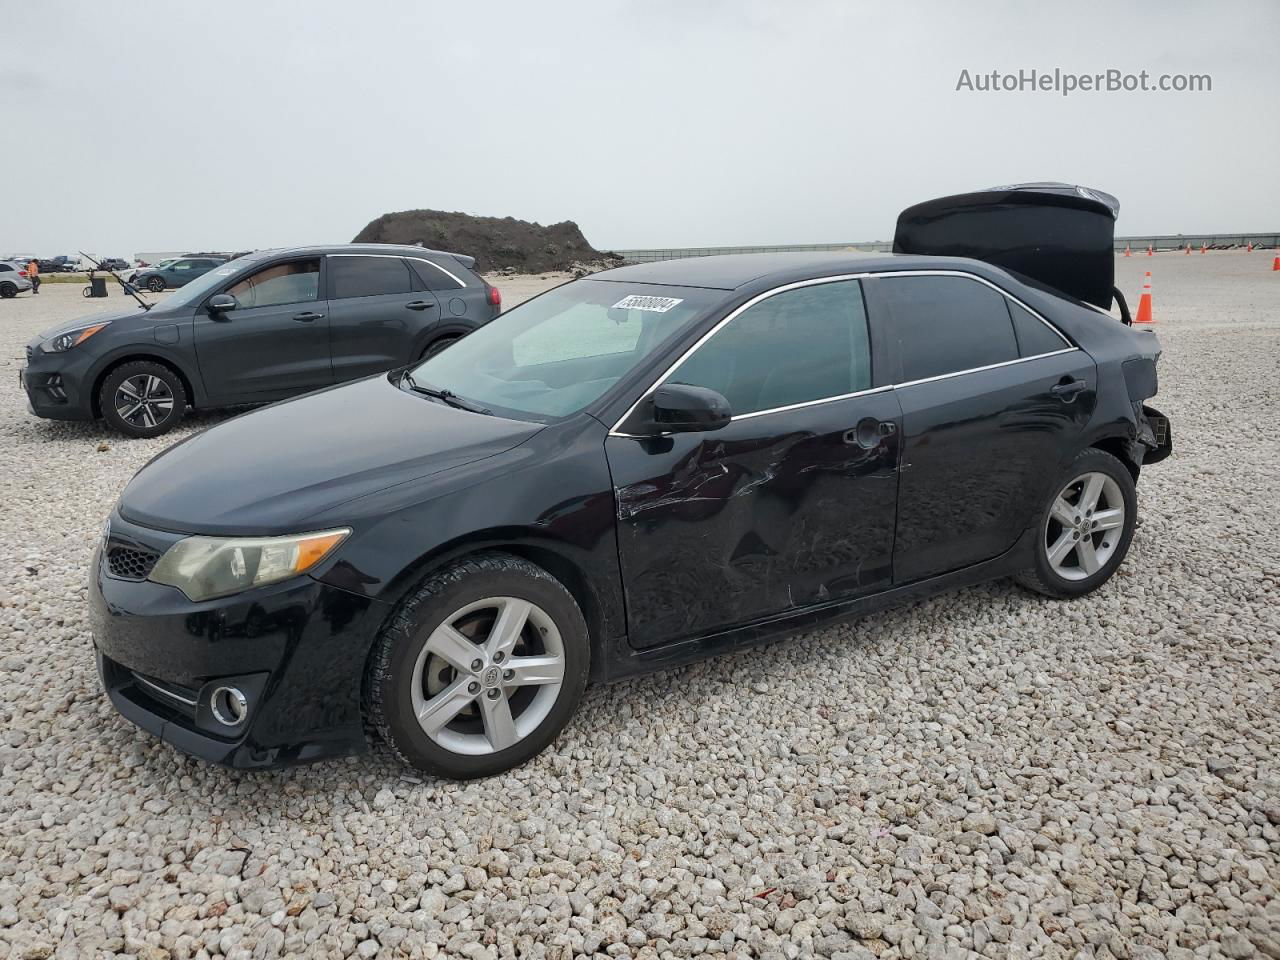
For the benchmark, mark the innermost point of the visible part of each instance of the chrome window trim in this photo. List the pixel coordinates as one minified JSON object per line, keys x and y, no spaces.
{"x":615,"y":432}
{"x":404,"y":256}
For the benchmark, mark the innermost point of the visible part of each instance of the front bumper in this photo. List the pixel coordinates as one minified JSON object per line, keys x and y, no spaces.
{"x":296,"y":649}
{"x":58,"y":385}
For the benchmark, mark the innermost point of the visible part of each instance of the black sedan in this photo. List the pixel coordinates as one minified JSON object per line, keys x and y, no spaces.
{"x":630,"y":471}
{"x":262,"y":327}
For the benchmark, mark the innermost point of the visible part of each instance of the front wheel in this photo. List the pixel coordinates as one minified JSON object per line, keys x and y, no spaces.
{"x":155,"y":284}
{"x":142,"y":399}
{"x":1085,"y":529}
{"x":480,"y":669}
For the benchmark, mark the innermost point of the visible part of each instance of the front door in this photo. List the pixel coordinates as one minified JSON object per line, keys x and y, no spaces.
{"x":791,"y":504}
{"x":991,"y":395}
{"x":275,"y":343}
{"x":377,"y":309}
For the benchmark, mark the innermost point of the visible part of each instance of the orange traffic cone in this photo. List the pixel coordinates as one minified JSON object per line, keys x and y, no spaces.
{"x":1249,"y":249}
{"x":1144,"y":305}
{"x":1202,"y":248}
{"x":1188,"y":249}
{"x":1275,"y":264}
{"x":1149,"y":250}
{"x":1126,"y":251}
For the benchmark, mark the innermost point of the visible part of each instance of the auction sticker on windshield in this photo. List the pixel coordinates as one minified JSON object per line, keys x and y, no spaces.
{"x":652,"y":304}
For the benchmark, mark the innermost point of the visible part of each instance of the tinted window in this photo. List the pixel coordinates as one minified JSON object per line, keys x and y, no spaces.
{"x":183,"y":265}
{"x":5,"y":268}
{"x":434,"y":277}
{"x":368,"y":276}
{"x":296,"y":282}
{"x":947,"y":324}
{"x":801,"y":345}
{"x":1034,"y":337}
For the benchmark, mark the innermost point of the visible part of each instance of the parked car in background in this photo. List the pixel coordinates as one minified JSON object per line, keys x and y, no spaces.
{"x":13,"y":278}
{"x":265,"y":326}
{"x":175,"y":274}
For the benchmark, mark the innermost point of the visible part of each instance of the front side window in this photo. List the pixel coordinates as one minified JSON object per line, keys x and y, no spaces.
{"x":947,"y":325}
{"x":557,"y":353}
{"x":368,"y":276}
{"x":294,"y":282}
{"x":184,"y":265}
{"x":797,"y":346}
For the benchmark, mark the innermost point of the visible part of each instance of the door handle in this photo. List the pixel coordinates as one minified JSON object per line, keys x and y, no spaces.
{"x":419,"y":305}
{"x":308,"y":317}
{"x":1067,"y":390}
{"x":869,"y":432}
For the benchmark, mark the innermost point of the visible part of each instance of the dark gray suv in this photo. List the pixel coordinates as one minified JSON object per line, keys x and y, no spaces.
{"x":263,"y":327}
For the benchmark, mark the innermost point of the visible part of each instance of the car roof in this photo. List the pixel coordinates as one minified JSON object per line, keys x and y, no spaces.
{"x":735,"y":270}
{"x":386,"y":249}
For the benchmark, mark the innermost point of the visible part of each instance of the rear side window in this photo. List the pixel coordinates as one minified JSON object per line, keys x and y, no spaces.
{"x":367,"y":276}
{"x":5,"y":268}
{"x":436,"y":276}
{"x":794,"y":347}
{"x":947,"y":324}
{"x":1034,"y":336}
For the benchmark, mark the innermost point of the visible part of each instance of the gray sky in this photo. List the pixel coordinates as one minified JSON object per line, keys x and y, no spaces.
{"x":234,"y":125}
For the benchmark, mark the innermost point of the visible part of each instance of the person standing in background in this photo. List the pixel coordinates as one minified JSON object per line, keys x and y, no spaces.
{"x":33,"y":274}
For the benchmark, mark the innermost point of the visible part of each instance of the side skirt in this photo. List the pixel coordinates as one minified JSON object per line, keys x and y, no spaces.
{"x":619,"y":660}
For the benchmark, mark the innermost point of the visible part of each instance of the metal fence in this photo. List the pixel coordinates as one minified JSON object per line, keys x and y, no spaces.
{"x":1214,"y":241}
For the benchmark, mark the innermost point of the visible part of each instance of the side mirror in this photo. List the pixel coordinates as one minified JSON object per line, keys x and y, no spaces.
{"x":681,"y":408}
{"x":222,"y":302}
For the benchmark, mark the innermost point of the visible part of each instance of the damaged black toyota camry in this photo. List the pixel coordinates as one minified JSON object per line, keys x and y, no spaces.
{"x":632,"y":471}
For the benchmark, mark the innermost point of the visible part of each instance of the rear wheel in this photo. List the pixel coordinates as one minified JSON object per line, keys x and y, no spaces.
{"x":1085,"y":528}
{"x":142,"y":399}
{"x":155,"y":284}
{"x":480,"y":669}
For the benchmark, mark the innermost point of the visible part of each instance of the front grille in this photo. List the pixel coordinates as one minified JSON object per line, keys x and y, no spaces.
{"x":128,"y":563}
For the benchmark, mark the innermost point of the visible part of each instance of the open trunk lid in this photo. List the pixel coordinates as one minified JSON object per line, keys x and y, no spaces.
{"x":1059,"y":234}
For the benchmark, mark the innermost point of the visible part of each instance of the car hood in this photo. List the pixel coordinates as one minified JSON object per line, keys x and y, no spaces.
{"x":155,"y":314}
{"x":268,"y":471}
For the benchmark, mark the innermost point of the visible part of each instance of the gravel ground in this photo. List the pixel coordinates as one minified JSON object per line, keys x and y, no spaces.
{"x":986,"y":772}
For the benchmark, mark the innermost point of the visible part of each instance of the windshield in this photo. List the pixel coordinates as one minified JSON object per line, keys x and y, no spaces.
{"x":555,"y":354}
{"x":203,"y":284}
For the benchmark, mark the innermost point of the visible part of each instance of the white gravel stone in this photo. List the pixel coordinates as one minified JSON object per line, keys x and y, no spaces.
{"x":986,"y":773}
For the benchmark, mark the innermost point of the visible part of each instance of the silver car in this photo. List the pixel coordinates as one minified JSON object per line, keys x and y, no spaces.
{"x":13,"y":279}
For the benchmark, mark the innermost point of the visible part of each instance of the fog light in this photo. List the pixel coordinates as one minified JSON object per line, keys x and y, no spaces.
{"x":229,"y":706}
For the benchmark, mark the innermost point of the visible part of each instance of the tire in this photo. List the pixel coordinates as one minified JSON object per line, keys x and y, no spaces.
{"x":438,"y":346}
{"x":1082,"y":510}
{"x":8,"y":290}
{"x":155,"y":284}
{"x":159,"y":388}
{"x":407,"y":673}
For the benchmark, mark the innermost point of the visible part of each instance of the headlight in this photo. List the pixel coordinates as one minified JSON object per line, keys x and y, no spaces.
{"x":65,"y":341}
{"x":207,"y":567}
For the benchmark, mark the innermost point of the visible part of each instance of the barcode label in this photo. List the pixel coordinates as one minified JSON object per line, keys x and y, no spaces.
{"x":652,"y":304}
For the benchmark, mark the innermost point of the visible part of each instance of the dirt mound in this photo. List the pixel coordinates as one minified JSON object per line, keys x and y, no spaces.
{"x":497,"y":243}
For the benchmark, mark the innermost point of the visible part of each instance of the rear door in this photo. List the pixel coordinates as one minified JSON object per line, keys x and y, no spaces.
{"x":275,"y":343}
{"x":983,"y":429}
{"x":377,"y":311}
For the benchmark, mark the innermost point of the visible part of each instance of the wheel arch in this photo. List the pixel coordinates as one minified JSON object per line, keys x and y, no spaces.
{"x":448,"y":330}
{"x":145,"y":357}
{"x":552,"y":555}
{"x":1120,"y":447}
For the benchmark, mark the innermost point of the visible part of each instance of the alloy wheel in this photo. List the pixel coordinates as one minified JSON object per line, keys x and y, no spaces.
{"x":1085,"y":526}
{"x":144,"y":400}
{"x":488,"y":675}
